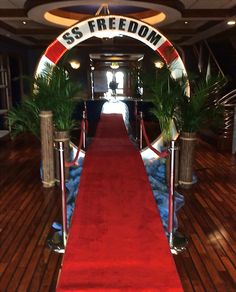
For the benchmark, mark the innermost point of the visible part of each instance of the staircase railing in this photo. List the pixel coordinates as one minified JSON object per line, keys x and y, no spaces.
{"x":229,"y":102}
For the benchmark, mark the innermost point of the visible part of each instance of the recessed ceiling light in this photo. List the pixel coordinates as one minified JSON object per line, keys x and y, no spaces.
{"x":186,"y":22}
{"x":159,"y":64}
{"x":231,"y":22}
{"x":75,"y":64}
{"x":114,"y":65}
{"x":24,"y":22}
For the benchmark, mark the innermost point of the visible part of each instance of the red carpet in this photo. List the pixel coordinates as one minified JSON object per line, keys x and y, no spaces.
{"x":116,"y":240}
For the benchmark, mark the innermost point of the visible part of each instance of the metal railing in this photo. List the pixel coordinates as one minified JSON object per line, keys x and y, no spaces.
{"x":228,"y":101}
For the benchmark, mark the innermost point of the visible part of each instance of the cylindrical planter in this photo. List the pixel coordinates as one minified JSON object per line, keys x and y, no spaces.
{"x":187,"y":148}
{"x":63,"y":136}
{"x":46,"y":128}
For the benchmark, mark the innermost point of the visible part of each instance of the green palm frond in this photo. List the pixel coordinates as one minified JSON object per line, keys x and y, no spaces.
{"x":24,"y":118}
{"x":201,"y":108}
{"x":52,"y":90}
{"x":190,"y":113}
{"x":164,"y":92}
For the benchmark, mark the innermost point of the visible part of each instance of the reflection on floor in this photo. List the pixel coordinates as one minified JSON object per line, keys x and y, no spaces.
{"x":28,"y":210}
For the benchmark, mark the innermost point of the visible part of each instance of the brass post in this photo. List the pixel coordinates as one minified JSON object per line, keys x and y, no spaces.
{"x":63,"y":191}
{"x":140,"y":131}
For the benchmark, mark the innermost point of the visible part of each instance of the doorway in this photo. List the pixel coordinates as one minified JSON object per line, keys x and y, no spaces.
{"x":118,"y":77}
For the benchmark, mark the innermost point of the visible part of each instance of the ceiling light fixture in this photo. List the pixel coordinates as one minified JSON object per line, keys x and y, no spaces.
{"x":186,"y":22}
{"x":24,"y":22}
{"x":159,"y":17}
{"x":159,"y":64}
{"x":231,"y":22}
{"x":74,"y":64}
{"x":114,"y":65}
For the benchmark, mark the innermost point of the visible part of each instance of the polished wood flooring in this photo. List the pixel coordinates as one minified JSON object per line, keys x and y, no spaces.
{"x":209,"y":221}
{"x":27,"y":211}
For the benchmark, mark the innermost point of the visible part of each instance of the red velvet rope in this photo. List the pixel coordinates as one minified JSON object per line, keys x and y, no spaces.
{"x":75,"y":160}
{"x":160,"y":154}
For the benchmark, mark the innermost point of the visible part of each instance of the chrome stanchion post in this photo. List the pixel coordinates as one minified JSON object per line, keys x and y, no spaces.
{"x":140,"y":131}
{"x":63,"y":191}
{"x":85,"y":107}
{"x":84,"y":129}
{"x":177,"y":242}
{"x":136,"y":119}
{"x":171,"y":194}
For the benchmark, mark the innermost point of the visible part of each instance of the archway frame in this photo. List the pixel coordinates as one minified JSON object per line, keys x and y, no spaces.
{"x":109,"y":26}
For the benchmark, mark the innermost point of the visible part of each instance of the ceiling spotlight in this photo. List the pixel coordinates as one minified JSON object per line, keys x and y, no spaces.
{"x":75,"y":64}
{"x":186,"y":22}
{"x":140,"y":59}
{"x":24,"y":22}
{"x":114,"y":65}
{"x":159,"y":64}
{"x":231,"y":22}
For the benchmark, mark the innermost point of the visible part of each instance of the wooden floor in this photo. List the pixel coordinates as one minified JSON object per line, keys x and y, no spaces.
{"x":27,"y":212}
{"x":209,"y":221}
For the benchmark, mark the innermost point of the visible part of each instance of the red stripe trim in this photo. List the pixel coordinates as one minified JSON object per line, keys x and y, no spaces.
{"x":168,"y":52}
{"x":54,"y":51}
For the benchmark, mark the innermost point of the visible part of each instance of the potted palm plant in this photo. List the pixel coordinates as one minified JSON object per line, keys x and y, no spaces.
{"x":165,"y":92}
{"x":53,"y":91}
{"x":190,"y":113}
{"x":198,"y":110}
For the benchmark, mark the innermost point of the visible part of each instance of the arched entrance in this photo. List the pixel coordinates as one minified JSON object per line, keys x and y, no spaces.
{"x":110,"y":26}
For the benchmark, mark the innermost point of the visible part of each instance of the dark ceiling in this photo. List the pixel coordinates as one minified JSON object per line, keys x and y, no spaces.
{"x":186,"y":23}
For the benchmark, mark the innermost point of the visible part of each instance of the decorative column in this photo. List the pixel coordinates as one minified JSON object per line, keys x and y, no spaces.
{"x":187,"y":148}
{"x":47,"y":155}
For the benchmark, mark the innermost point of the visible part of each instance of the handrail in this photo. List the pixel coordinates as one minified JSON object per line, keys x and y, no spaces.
{"x":228,"y":97}
{"x":214,"y":58}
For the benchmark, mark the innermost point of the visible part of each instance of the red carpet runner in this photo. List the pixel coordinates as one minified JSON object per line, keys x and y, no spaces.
{"x":116,"y":240}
